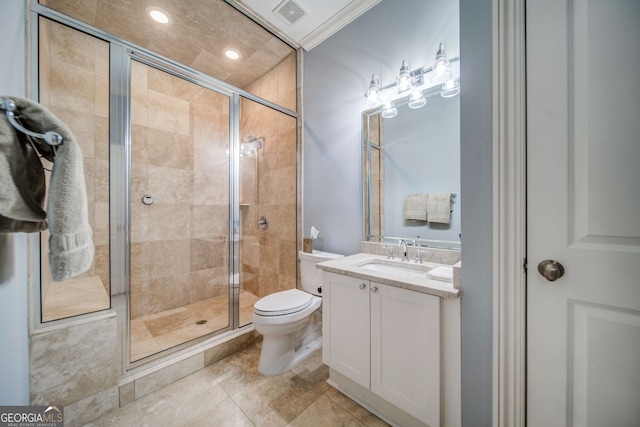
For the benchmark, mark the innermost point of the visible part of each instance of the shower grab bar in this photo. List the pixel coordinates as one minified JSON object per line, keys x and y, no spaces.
{"x":50,"y":137}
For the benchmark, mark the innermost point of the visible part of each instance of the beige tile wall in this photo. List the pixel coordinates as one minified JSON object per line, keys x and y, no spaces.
{"x":179,"y":246}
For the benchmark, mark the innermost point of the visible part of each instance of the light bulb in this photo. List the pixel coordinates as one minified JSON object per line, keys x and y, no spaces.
{"x":417,"y":99}
{"x":389,"y":110}
{"x":404,"y":78}
{"x":441,"y":71}
{"x":450,"y":88}
{"x":373,"y":94}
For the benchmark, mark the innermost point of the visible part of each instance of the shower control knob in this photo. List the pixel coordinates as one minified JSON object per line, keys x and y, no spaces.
{"x":263,"y":223}
{"x":551,"y":270}
{"x":147,"y":200}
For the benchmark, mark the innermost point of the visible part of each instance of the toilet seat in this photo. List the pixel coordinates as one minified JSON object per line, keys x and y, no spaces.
{"x":282,"y":303}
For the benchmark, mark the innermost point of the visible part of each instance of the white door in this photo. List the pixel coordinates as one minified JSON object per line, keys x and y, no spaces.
{"x":583,"y":148}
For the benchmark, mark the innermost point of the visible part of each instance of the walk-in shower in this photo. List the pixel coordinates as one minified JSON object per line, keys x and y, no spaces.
{"x":179,"y":167}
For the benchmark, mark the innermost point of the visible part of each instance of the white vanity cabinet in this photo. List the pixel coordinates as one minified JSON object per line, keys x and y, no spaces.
{"x":387,"y":340}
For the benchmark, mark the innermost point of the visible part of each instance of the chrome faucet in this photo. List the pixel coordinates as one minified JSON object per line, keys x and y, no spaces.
{"x":418,"y":256}
{"x":404,"y":249}
{"x":390,"y":253}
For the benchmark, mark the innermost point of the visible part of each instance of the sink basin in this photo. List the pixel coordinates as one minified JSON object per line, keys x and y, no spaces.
{"x":394,"y":267}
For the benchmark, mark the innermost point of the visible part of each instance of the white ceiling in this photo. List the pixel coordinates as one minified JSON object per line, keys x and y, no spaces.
{"x":322,"y":18}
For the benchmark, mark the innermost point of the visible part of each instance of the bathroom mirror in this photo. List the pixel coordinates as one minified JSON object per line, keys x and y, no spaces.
{"x":415,"y":152}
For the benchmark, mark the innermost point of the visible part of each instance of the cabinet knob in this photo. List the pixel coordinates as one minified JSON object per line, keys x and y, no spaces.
{"x":362,"y":286}
{"x":374,"y":289}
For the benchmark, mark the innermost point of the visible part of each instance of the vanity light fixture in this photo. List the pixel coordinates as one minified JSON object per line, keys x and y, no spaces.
{"x":373,"y":93}
{"x":414,"y":87}
{"x":158,"y":15}
{"x":441,"y":68}
{"x":404,"y":78}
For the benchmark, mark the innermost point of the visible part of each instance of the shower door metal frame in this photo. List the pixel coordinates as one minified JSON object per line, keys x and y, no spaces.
{"x":122,"y":52}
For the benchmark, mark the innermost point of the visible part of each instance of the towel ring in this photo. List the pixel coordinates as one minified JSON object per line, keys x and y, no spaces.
{"x":50,"y":137}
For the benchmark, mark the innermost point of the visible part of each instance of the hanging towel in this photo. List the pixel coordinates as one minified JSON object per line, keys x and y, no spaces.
{"x":22,"y":183}
{"x":439,"y":207}
{"x":415,"y":207}
{"x":71,"y":246}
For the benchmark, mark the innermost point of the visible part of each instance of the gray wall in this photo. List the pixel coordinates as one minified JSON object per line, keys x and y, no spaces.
{"x":476,"y":185}
{"x":14,"y":357}
{"x":336,"y":77}
{"x":337,"y":73}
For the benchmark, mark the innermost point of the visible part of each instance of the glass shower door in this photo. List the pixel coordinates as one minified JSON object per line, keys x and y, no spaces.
{"x":268,"y":203}
{"x":180,"y":221}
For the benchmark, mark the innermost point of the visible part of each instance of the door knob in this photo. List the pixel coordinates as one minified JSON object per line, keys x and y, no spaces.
{"x":362,"y":286}
{"x":551,"y":270}
{"x":374,"y":289}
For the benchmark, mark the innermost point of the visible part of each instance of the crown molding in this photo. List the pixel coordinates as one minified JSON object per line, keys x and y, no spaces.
{"x":336,"y":23}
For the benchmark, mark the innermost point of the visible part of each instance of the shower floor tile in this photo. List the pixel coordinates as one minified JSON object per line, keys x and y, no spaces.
{"x":232,"y":393}
{"x":160,"y":331}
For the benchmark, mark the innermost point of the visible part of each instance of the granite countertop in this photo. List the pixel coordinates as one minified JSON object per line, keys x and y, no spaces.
{"x":352,"y":266}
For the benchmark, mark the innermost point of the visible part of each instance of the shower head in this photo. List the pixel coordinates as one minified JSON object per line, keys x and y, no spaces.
{"x":255,"y":142}
{"x":249,"y":149}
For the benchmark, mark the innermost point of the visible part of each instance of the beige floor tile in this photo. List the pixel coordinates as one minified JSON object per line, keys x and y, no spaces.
{"x":363,"y":415}
{"x":324,"y":412}
{"x":232,"y":393}
{"x":127,"y":416}
{"x":160,"y":331}
{"x":224,"y":414}
{"x":180,"y":403}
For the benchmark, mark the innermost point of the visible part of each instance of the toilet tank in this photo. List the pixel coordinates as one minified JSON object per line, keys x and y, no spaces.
{"x":310,"y":276}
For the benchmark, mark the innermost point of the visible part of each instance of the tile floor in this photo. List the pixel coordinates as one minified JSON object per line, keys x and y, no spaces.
{"x":160,"y":331}
{"x":232,"y":393}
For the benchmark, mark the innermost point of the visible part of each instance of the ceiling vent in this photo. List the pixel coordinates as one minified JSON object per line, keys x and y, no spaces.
{"x":290,"y":11}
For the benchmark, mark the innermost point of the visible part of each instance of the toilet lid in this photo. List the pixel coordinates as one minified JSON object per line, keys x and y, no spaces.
{"x":281,"y":303}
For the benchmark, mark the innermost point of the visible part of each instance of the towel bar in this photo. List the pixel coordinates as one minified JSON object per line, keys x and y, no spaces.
{"x":50,"y":137}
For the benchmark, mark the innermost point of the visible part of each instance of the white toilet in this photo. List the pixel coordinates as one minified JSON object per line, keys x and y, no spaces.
{"x":291,"y":321}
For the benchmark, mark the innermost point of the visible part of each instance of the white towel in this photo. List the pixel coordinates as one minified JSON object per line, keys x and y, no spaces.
{"x":444,"y":274}
{"x":71,"y":247}
{"x":415,"y":207}
{"x":439,"y":207}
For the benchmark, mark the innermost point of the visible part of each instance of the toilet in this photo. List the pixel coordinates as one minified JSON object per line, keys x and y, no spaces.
{"x":291,"y":321}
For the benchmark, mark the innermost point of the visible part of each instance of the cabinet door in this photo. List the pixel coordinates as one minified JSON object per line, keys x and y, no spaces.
{"x":345,"y":320}
{"x":405,"y":350}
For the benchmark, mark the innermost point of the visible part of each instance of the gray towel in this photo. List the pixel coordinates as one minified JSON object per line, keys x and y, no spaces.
{"x":439,"y":207}
{"x":22,"y":183}
{"x":415,"y":207}
{"x":71,"y":247}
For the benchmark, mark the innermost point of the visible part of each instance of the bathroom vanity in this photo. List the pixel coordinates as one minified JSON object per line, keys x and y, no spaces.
{"x":391,"y":337}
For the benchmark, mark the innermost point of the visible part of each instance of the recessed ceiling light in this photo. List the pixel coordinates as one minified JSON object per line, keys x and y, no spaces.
{"x":232,"y":53}
{"x":158,"y":15}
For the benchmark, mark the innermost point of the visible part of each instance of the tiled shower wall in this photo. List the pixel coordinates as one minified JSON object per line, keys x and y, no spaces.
{"x":180,"y":135}
{"x":268,"y":186}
